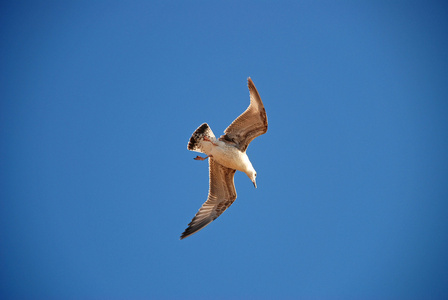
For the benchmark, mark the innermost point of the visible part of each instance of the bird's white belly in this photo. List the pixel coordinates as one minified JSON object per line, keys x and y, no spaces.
{"x":230,"y":157}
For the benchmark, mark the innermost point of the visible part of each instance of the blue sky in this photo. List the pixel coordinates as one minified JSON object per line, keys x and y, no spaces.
{"x":99,"y":100}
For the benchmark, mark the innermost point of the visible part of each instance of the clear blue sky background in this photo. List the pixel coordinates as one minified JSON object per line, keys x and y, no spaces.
{"x":99,"y":100}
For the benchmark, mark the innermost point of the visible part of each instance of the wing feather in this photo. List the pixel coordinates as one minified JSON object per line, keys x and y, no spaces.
{"x":251,"y":123}
{"x":221,"y":195}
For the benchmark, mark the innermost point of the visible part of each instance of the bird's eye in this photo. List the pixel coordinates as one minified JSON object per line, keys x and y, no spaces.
{"x":255,"y":174}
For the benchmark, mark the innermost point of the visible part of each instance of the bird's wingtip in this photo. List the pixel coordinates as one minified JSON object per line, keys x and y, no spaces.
{"x":250,"y":84}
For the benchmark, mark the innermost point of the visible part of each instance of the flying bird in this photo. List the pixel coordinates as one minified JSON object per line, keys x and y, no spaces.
{"x":225,"y":156}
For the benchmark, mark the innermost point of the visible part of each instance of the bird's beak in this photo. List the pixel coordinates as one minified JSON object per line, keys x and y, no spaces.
{"x":255,"y":184}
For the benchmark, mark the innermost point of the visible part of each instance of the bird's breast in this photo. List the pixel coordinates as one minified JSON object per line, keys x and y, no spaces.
{"x":230,"y":157}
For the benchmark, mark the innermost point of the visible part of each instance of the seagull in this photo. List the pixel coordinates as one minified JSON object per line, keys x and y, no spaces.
{"x":225,"y":156}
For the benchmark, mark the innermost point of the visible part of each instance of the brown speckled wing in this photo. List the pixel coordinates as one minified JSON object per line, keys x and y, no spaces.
{"x":221,"y":195}
{"x":251,"y":123}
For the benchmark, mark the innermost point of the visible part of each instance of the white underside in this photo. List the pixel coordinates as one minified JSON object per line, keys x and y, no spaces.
{"x":227,"y":155}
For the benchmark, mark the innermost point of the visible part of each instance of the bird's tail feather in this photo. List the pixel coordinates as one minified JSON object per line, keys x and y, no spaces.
{"x":198,"y":136}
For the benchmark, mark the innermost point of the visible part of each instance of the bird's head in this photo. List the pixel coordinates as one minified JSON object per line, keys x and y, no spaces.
{"x":252,"y":174}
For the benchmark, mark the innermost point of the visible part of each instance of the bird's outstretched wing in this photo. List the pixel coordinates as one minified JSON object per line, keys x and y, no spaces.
{"x":221,"y":195}
{"x":250,"y":124}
